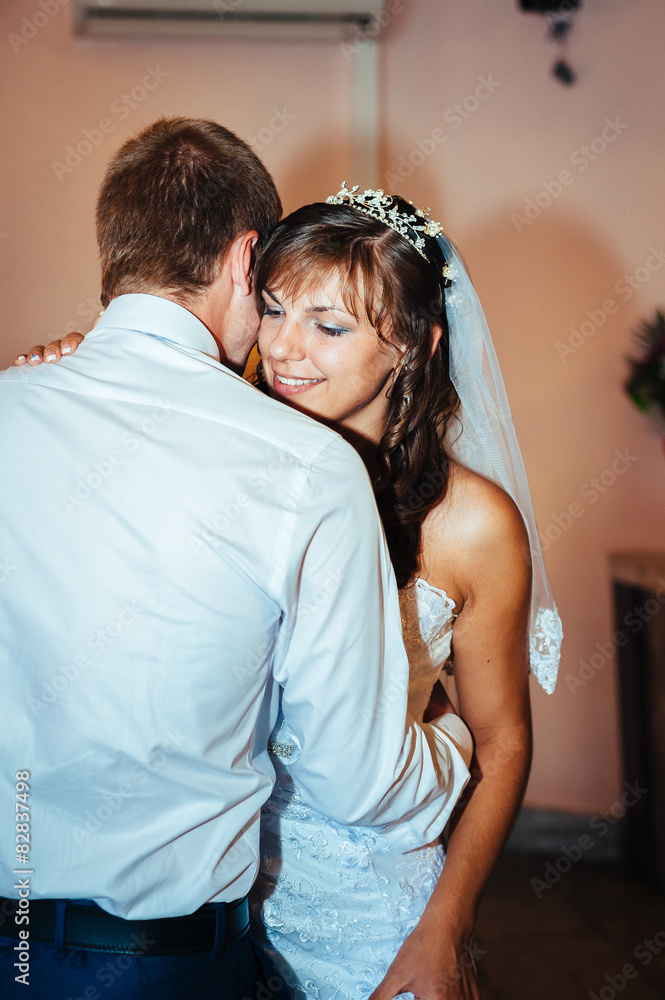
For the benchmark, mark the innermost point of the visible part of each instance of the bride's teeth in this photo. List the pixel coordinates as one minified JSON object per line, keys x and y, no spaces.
{"x":296,"y":381}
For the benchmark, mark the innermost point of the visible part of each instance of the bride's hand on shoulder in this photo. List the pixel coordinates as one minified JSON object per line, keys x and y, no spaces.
{"x":52,"y":352}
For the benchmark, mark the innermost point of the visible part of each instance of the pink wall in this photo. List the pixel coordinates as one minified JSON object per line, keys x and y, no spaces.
{"x":520,"y":131}
{"x":58,"y":86}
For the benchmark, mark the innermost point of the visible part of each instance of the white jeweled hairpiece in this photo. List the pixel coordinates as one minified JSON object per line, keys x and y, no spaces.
{"x":381,"y":207}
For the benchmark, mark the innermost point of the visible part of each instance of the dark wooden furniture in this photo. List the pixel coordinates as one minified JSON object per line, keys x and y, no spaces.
{"x":639,"y":605}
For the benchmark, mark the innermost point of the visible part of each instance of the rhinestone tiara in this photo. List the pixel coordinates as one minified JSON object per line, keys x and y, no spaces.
{"x":381,"y":206}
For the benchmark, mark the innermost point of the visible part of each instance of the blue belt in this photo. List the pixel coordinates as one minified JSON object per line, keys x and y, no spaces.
{"x":89,"y":928}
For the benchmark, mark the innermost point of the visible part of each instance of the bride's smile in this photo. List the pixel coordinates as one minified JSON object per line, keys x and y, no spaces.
{"x":325,"y":360}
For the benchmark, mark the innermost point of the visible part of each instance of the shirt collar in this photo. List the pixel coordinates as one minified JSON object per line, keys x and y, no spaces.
{"x":160,"y":318}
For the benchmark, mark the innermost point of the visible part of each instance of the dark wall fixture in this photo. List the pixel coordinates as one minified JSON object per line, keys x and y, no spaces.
{"x":560,"y":16}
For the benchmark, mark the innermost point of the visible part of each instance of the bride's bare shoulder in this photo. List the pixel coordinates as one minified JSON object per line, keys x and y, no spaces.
{"x":476,"y":521}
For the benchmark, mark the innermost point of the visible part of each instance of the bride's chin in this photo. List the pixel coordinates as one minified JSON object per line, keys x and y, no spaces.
{"x":302,"y":403}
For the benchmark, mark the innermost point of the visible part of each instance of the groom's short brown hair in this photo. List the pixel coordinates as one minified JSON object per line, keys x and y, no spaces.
{"x":173,"y":199}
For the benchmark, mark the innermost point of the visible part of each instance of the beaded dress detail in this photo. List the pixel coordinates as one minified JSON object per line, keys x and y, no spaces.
{"x":337,"y":902}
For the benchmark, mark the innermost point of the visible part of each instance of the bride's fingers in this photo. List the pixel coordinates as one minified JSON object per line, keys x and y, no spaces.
{"x":52,"y":351}
{"x":35,"y":355}
{"x":69,"y":343}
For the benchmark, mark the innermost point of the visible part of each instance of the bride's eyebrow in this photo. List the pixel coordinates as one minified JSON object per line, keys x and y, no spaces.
{"x":323,"y":308}
{"x":332,"y":307}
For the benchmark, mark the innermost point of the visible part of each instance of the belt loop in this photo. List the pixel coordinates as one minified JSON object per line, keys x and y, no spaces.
{"x":59,"y":924}
{"x":220,"y":930}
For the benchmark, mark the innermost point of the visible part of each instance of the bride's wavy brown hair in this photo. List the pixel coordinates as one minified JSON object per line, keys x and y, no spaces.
{"x":403,"y":296}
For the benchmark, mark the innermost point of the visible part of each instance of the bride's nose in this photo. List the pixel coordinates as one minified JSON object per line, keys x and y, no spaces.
{"x":287,"y":344}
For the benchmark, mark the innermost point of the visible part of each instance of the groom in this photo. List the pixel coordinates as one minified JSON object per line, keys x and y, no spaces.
{"x":180,"y":549}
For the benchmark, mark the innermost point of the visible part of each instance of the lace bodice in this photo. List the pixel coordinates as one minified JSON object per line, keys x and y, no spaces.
{"x":427,"y":627}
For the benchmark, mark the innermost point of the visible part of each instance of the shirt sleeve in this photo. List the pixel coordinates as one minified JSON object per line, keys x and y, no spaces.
{"x":344,"y":672}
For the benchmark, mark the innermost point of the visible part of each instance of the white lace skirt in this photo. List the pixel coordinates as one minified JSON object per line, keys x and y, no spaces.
{"x":335,"y":902}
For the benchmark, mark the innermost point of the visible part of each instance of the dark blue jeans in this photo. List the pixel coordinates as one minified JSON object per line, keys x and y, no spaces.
{"x":242,"y":972}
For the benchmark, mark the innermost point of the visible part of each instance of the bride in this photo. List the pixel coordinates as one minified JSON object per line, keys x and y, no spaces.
{"x":371,"y":324}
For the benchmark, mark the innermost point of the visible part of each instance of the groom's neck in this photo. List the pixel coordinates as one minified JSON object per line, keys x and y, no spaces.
{"x":205,"y":308}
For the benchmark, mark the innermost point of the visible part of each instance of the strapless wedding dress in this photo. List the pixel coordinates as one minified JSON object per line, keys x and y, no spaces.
{"x":336,"y":902}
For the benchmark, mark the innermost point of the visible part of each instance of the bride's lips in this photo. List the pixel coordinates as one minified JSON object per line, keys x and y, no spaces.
{"x":284,"y":384}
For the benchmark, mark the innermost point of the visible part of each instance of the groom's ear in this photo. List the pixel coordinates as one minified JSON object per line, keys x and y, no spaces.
{"x":242,"y":261}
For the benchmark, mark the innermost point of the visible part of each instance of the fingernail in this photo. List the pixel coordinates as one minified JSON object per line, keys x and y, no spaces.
{"x":65,"y":349}
{"x":49,"y":356}
{"x":34,"y":356}
{"x":22,"y":357}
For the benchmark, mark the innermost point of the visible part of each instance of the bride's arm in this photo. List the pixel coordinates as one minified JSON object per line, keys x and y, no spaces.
{"x":491,"y":673}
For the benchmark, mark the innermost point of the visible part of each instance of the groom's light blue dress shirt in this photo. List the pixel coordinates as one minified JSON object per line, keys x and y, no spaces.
{"x":175,"y":547}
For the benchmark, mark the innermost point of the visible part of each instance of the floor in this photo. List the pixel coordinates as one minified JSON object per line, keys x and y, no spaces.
{"x":591,"y":933}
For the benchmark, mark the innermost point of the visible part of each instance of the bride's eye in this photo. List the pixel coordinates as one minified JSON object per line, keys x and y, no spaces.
{"x":331,"y":330}
{"x":271,"y":311}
